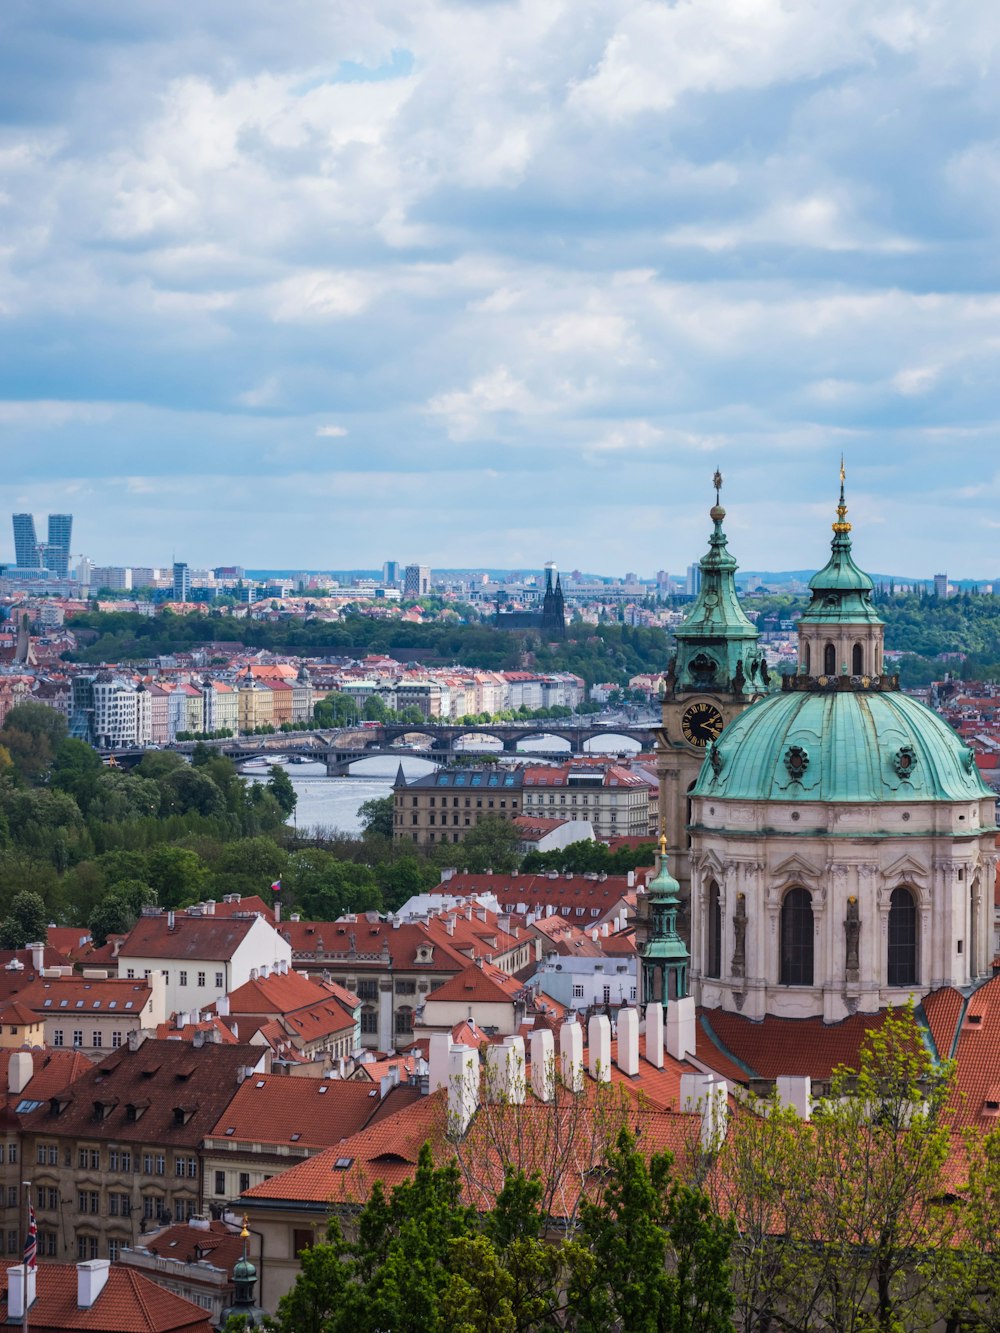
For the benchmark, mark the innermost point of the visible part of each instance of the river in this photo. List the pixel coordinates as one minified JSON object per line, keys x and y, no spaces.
{"x":328,"y":803}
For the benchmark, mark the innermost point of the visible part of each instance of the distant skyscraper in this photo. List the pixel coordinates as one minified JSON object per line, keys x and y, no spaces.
{"x":416,"y":581}
{"x":57,"y":548}
{"x":693,"y":583}
{"x":182,"y":582}
{"x":390,"y":572}
{"x":26,"y":553}
{"x":940,"y":585}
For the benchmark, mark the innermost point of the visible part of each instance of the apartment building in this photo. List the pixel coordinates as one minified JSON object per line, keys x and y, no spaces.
{"x":202,"y":958}
{"x":94,"y":1014}
{"x":614,"y":799}
{"x":121,"y":1147}
{"x":443,"y":806}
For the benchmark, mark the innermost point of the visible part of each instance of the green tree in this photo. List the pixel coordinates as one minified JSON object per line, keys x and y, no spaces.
{"x":492,"y":845}
{"x":26,"y":921}
{"x":176,"y":875}
{"x":280,"y":786}
{"x":376,"y":816}
{"x":662,"y":1254}
{"x":32,"y":733}
{"x":120,"y":910}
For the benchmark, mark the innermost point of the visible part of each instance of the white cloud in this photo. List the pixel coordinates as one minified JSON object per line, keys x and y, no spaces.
{"x":331,"y":432}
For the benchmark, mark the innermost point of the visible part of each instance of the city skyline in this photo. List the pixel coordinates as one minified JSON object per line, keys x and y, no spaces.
{"x":501,"y":279}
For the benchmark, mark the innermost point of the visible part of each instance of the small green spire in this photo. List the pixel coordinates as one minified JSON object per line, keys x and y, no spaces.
{"x":840,"y":590}
{"x":664,"y":954}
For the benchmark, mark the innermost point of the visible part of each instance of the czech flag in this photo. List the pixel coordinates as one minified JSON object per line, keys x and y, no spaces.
{"x":276,"y":886}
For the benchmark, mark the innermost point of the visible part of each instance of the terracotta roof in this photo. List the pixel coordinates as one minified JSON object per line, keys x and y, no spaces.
{"x":53,"y":1071}
{"x":75,"y":995}
{"x":192,"y":937}
{"x":778,"y":1046}
{"x":129,"y":1303}
{"x":219,"y":1245}
{"x":478,"y":984}
{"x":387,"y":1150}
{"x":977,"y":1052}
{"x":540,"y":891}
{"x":311,"y":1112}
{"x":17,"y":1014}
{"x":170,"y":1076}
{"x":277,"y":993}
{"x":942,"y":1009}
{"x":171,"y":1032}
{"x":72,"y":942}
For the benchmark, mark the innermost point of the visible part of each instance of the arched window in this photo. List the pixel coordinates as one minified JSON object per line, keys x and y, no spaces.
{"x":902,"y":960}
{"x":796,"y":939}
{"x":857,"y":660}
{"x":713,"y":962}
{"x":829,"y":660}
{"x":807,"y":661}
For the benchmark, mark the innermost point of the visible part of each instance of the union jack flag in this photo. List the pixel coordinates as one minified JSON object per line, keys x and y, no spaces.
{"x":31,"y":1241}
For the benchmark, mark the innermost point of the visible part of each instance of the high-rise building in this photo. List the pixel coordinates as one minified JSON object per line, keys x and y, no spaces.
{"x":182,"y":582}
{"x":57,"y":547}
{"x":416,"y":581}
{"x":26,"y":552}
{"x":390,"y":572}
{"x":693,"y":581}
{"x":940,"y":585}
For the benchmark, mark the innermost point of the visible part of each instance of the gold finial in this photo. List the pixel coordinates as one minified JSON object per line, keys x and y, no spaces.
{"x":245,"y":1233}
{"x":663,"y":844}
{"x":842,"y":526}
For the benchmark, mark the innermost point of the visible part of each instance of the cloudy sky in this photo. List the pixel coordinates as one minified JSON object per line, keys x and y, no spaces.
{"x":317,"y":283}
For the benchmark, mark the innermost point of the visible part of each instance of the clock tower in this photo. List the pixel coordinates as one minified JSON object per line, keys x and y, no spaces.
{"x":716,"y":672}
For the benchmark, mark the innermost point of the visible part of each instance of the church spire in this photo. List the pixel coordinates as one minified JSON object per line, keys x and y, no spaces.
{"x":665,"y":957}
{"x":716,"y":644}
{"x":840,"y":632}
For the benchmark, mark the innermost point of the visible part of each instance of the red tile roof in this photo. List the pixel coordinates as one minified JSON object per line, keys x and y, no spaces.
{"x":478,"y":984}
{"x":129,"y":1303}
{"x":219,"y":1245}
{"x":251,"y":902}
{"x":117,"y":995}
{"x":311,"y":1112}
{"x":192,"y":937}
{"x":53,"y":1071}
{"x":942,"y":1009}
{"x":777,"y":1046}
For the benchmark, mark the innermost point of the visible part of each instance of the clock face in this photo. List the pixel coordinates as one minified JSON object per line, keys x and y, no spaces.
{"x":701,"y":723}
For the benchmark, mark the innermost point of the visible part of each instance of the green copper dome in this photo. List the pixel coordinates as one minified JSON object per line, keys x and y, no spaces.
{"x":840,"y":744}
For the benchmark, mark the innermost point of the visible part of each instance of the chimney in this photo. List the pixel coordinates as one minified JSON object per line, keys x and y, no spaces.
{"x":440,"y":1046}
{"x":222,"y":1006}
{"x":277,"y":912}
{"x":795,"y":1091}
{"x":631,"y":879}
{"x":571,"y":1056}
{"x":15,"y":1290}
{"x":208,"y":907}
{"x":253,"y":974}
{"x":543,"y":1064}
{"x":19,"y":1071}
{"x":654,"y":1035}
{"x":449,"y":924}
{"x":135,"y":1039}
{"x":706,"y":1095}
{"x":37,"y":955}
{"x":199,"y":1038}
{"x":505,"y":1072}
{"x":264,"y":972}
{"x":171,"y":920}
{"x":463,"y":1088}
{"x":628,"y":1041}
{"x":91,"y":1277}
{"x":599,"y":1032}
{"x":681,"y":1028}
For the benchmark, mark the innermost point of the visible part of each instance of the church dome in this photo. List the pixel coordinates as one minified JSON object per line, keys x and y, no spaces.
{"x":839,"y":744}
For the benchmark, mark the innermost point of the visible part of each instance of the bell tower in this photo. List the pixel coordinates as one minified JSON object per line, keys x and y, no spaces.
{"x":716,"y":672}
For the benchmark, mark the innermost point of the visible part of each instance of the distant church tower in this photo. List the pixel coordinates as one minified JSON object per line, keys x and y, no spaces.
{"x":716,"y":673}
